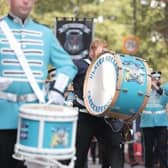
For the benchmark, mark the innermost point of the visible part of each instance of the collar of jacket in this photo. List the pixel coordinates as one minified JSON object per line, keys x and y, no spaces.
{"x":16,"y":19}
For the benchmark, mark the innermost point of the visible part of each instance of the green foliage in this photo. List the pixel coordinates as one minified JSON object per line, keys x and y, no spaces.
{"x":3,"y":7}
{"x":117,"y":19}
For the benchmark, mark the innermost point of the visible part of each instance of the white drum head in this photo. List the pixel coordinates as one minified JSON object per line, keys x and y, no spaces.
{"x":100,"y":84}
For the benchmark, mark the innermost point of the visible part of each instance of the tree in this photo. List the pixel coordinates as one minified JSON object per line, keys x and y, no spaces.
{"x":3,"y":7}
{"x":153,"y":42}
{"x":113,"y":21}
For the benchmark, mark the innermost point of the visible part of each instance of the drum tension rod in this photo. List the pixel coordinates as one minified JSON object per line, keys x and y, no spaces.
{"x":147,"y":95}
{"x":124,"y":90}
{"x":140,"y":93}
{"x":116,"y":108}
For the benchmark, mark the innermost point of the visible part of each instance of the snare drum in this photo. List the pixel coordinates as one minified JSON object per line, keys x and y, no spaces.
{"x":46,"y":131}
{"x":117,"y":86}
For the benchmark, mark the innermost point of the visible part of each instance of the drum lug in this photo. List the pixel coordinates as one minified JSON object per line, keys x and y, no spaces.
{"x":124,"y":90}
{"x":140,"y":93}
{"x":147,"y":95}
{"x":116,"y":108}
{"x":132,"y":111}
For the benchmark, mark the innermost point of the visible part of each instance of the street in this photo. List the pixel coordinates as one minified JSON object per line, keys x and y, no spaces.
{"x":126,"y":158}
{"x":91,"y":165}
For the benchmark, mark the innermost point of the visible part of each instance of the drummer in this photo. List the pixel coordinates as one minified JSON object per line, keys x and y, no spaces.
{"x":90,"y":126}
{"x":41,"y":48}
{"x":154,"y":121}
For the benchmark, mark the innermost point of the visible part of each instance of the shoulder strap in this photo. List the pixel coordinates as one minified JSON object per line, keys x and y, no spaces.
{"x":20,"y":55}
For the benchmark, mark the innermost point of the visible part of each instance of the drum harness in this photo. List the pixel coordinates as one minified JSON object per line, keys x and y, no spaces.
{"x":78,"y":100}
{"x":20,"y":55}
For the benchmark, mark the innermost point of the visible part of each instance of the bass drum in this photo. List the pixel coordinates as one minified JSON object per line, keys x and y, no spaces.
{"x":117,"y":86}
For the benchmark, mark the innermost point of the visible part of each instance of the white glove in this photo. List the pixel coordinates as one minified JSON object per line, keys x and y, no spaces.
{"x":4,"y":83}
{"x":55,"y":98}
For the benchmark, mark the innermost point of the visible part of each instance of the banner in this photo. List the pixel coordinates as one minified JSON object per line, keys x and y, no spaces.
{"x":75,"y":35}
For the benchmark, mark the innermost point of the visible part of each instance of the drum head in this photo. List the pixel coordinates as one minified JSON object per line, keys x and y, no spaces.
{"x":100,"y":84}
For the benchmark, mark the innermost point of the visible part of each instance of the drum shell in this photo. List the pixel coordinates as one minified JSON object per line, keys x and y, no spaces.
{"x":46,"y":131}
{"x":133,"y":88}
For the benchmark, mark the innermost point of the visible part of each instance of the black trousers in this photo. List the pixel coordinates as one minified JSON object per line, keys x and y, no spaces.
{"x":90,"y":126}
{"x":7,"y":142}
{"x":155,"y":136}
{"x":93,"y":150}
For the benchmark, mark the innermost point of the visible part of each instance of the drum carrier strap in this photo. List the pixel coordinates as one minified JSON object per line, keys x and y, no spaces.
{"x":20,"y":55}
{"x":78,"y":100}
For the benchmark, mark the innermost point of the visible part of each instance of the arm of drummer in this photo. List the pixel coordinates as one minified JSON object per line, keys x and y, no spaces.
{"x":65,"y":72}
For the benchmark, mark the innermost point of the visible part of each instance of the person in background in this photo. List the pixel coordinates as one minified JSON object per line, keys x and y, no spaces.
{"x":154,"y":122}
{"x":89,"y":126}
{"x":134,"y":143}
{"x":40,"y":48}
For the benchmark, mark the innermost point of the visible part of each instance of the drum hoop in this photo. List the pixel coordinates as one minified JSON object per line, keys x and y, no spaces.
{"x":34,"y":110}
{"x":118,"y":86}
{"x":24,"y":154}
{"x":86,"y":79}
{"x":42,"y":151}
{"x":99,"y":55}
{"x":148,"y":90}
{"x":45,"y":118}
{"x":119,"y":81}
{"x":128,"y":118}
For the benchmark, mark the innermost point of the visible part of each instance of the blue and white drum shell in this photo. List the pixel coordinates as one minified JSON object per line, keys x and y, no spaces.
{"x":46,"y":131}
{"x":117,"y":86}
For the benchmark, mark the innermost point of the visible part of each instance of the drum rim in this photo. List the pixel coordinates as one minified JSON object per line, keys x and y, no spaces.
{"x":130,"y":118}
{"x":36,"y":109}
{"x":86,"y":79}
{"x":29,"y":152}
{"x":148,"y":90}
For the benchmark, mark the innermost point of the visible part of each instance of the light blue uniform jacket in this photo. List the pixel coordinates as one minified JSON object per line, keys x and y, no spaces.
{"x":155,"y":114}
{"x":41,"y":49}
